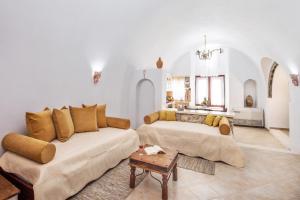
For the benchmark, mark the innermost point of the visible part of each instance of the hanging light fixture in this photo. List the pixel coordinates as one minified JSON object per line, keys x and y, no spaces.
{"x":206,"y":54}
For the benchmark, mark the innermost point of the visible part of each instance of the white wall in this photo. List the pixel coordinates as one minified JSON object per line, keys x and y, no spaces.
{"x":237,"y":68}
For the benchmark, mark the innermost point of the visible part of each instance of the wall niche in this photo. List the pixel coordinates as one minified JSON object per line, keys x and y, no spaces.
{"x":250,"y":93}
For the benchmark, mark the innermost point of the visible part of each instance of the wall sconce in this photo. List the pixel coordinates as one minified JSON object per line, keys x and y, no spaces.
{"x":295,"y":79}
{"x":96,"y":77}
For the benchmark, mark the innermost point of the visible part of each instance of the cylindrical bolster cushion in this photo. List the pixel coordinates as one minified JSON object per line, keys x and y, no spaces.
{"x":153,"y":117}
{"x":31,"y":148}
{"x":224,"y":126}
{"x":118,"y":122}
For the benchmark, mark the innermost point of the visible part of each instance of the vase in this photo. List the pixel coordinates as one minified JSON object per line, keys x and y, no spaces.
{"x":159,"y":63}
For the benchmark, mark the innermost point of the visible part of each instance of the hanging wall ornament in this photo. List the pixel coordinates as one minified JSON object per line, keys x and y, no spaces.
{"x":159,"y":63}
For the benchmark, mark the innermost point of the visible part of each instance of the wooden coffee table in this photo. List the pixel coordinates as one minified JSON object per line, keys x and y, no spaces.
{"x":164,"y":164}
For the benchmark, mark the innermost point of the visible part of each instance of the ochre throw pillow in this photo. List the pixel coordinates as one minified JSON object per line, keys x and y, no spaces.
{"x":209,"y":119}
{"x":63,"y":124}
{"x":216,"y":121}
{"x":40,"y":125}
{"x":84,"y":119}
{"x":33,"y":149}
{"x":163,"y":115}
{"x":101,"y":115}
{"x":171,"y":116}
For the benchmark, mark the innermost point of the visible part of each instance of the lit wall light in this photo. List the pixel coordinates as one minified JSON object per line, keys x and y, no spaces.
{"x":97,"y":68}
{"x":295,"y":79}
{"x":96,"y":77}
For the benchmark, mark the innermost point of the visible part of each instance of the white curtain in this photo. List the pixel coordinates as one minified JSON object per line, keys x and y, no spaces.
{"x":217,"y":91}
{"x":178,"y":88}
{"x":201,"y":89}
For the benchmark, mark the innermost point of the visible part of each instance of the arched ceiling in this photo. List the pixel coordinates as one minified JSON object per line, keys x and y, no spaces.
{"x":139,"y":31}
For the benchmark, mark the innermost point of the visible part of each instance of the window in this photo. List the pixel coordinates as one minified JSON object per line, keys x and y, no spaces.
{"x":178,"y":88}
{"x":211,"y":88}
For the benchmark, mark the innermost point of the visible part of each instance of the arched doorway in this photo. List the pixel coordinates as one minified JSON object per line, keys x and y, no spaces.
{"x":277,"y":102}
{"x":145,"y":98}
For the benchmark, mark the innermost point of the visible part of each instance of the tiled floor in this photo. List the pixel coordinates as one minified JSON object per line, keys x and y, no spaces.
{"x":267,"y":175}
{"x":257,"y":136}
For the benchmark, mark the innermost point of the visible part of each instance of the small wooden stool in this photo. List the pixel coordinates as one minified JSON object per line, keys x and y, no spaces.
{"x":164,"y":164}
{"x":8,"y":190}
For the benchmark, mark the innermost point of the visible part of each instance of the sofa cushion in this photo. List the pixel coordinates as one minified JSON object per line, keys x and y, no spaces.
{"x":63,"y":124}
{"x":217,"y":121}
{"x":171,"y":116}
{"x":209,"y":120}
{"x":84,"y":119}
{"x":163,"y":115}
{"x":153,"y":117}
{"x":101,"y":115}
{"x":31,"y":148}
{"x":224,"y":126}
{"x":40,"y":125}
{"x":118,"y":122}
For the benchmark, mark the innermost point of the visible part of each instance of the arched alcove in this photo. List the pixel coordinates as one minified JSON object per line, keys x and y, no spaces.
{"x":250,"y":89}
{"x":145,"y":99}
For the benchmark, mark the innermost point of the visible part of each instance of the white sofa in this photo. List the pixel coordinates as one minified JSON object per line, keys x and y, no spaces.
{"x":193,"y":139}
{"x":80,"y":160}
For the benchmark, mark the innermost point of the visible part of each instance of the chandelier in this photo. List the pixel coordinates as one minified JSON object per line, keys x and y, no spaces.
{"x":206,"y":54}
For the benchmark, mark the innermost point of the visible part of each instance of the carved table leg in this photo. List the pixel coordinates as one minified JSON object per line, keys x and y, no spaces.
{"x":175,"y":172}
{"x":165,"y":187}
{"x":132,"y":177}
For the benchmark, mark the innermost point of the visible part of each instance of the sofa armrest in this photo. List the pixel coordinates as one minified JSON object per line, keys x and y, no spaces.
{"x":151,"y":118}
{"x":31,"y":148}
{"x":118,"y":122}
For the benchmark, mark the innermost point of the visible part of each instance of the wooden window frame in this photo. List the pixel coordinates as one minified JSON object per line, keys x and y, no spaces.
{"x":209,"y":90}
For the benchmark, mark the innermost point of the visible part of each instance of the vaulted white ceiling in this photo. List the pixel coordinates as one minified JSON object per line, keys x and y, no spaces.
{"x":138,"y":31}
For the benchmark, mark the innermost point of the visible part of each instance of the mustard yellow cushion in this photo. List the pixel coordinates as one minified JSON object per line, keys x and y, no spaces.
{"x":101,"y":115}
{"x":171,"y":116}
{"x":63,"y":124}
{"x":84,"y":119}
{"x":118,"y":122}
{"x":163,"y":115}
{"x":40,"y":125}
{"x":31,"y":148}
{"x":209,"y":120}
{"x":224,"y":126}
{"x":216,"y":121}
{"x":149,"y":119}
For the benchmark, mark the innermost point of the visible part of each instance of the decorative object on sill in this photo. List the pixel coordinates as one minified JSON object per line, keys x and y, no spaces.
{"x":96,"y":77}
{"x":295,"y":79}
{"x":187,"y":82}
{"x":169,"y":96}
{"x":206,"y":54}
{"x":249,"y":101}
{"x":159,"y":63}
{"x":187,"y":96}
{"x":144,"y":73}
{"x":180,"y":107}
{"x":204,"y":102}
